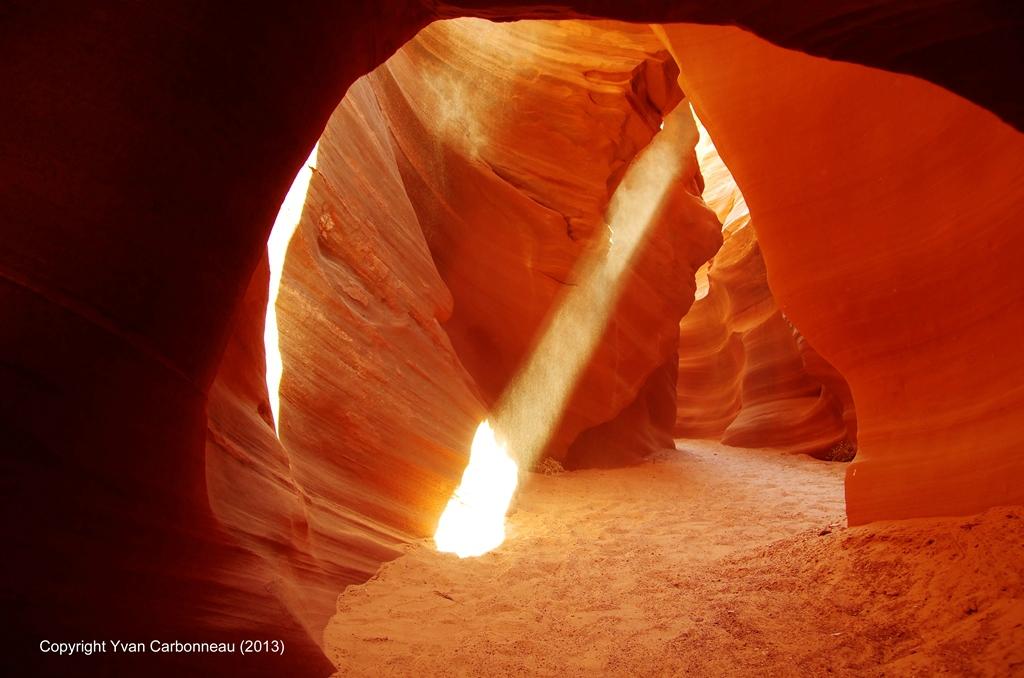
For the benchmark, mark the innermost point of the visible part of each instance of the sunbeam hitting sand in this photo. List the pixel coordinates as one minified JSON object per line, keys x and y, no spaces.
{"x":708,"y":561}
{"x":473,"y":523}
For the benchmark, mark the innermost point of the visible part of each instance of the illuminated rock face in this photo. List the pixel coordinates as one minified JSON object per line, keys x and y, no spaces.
{"x":742,"y":376}
{"x":746,"y":376}
{"x":376,"y":409}
{"x":511,"y":141}
{"x":253,"y":493}
{"x":897,"y":256}
{"x":711,"y":360}
{"x":376,"y":412}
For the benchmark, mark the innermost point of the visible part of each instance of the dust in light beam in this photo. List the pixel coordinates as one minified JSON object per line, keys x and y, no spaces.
{"x":535,"y":400}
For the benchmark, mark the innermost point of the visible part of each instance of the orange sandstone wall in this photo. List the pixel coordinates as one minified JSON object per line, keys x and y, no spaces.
{"x":511,"y":140}
{"x":886,"y":209}
{"x":254,"y":496}
{"x":746,"y":376}
{"x":711,"y":360}
{"x":743,"y":372}
{"x":376,"y":411}
{"x":783,"y":406}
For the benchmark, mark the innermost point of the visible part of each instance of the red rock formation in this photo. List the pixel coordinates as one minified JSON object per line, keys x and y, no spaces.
{"x":782,"y":406}
{"x":834,"y":386}
{"x":145,"y":154}
{"x":254,"y":496}
{"x":966,"y":46}
{"x":742,"y":373}
{"x":886,"y":210}
{"x":710,"y":369}
{"x":743,"y":378}
{"x":376,"y":410}
{"x":512,"y":197}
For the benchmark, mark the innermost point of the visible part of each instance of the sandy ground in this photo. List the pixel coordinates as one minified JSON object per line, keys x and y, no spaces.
{"x":709,"y":561}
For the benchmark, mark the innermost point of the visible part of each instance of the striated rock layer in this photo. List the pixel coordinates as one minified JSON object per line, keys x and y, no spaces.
{"x":886,"y":209}
{"x":376,"y":411}
{"x":254,"y":496}
{"x":512,"y":139}
{"x":746,"y":376}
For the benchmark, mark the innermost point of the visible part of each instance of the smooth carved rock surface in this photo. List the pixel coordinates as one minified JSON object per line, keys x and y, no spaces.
{"x":512,"y":139}
{"x":746,"y":376}
{"x":253,"y":493}
{"x":376,"y":410}
{"x":897,"y":256}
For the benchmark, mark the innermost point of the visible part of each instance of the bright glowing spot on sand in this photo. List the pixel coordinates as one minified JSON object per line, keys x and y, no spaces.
{"x":277,"y":245}
{"x":473,"y":523}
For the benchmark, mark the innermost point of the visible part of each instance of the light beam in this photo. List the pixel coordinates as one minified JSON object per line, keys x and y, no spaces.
{"x":535,"y":401}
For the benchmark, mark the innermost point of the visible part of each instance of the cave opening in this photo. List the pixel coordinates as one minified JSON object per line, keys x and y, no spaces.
{"x":214,"y":436}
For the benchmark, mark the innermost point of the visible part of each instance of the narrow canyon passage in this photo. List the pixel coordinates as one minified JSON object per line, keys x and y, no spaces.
{"x":708,"y":560}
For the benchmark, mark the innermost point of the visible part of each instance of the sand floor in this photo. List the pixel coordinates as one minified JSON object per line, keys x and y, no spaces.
{"x":709,"y":561}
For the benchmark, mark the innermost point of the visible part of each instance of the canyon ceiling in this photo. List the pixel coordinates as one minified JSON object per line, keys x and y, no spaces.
{"x":145,"y":152}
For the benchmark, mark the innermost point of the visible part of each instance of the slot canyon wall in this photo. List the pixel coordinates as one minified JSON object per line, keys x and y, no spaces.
{"x":145,"y":151}
{"x":746,"y":375}
{"x":898,"y":264}
{"x":511,"y":198}
{"x":376,"y":411}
